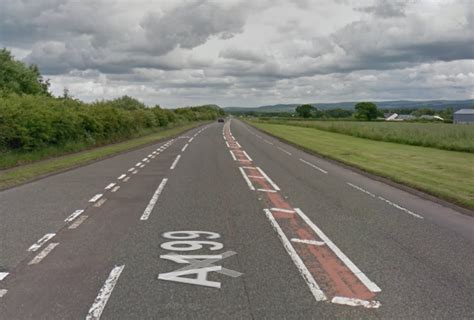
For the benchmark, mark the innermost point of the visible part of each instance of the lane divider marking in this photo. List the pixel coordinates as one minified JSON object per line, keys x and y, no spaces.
{"x":362,"y":190}
{"x":249,"y":183}
{"x":40,"y":256}
{"x":126,"y":179}
{"x":96,"y":197}
{"x":400,"y":208}
{"x":154,"y":199}
{"x":116,"y":188}
{"x":314,"y":166}
{"x":185,"y":146}
{"x":175,"y":162}
{"x":100,"y":202}
{"x":110,"y":186}
{"x":38,"y":244}
{"x":285,"y":151}
{"x":104,"y":294}
{"x":74,"y":215}
{"x":3,"y":275}
{"x":78,"y":222}
{"x":122,"y":176}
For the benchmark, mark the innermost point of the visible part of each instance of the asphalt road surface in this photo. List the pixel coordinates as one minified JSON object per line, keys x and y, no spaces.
{"x":225,"y":222}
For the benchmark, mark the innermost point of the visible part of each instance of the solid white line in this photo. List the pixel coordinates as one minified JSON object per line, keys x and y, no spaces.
{"x":3,"y":275}
{"x":185,"y":146}
{"x":122,"y":176}
{"x":41,"y":241}
{"x":248,"y":157}
{"x":3,"y":292}
{"x":282,"y":210}
{"x":126,"y":179}
{"x":313,"y":286}
{"x":116,"y":188}
{"x":233,"y":155}
{"x":175,"y":162}
{"x":400,"y":208}
{"x":40,"y":256}
{"x":110,"y":186}
{"x":314,"y":166}
{"x":266,"y":190}
{"x":73,"y":215}
{"x":96,"y":197}
{"x":268,"y":179}
{"x":285,"y":151}
{"x":246,"y":178}
{"x":104,"y":294}
{"x":355,"y":302}
{"x":313,"y":242}
{"x":362,"y":190}
{"x":78,"y":222}
{"x":153,"y":200}
{"x":362,"y":277}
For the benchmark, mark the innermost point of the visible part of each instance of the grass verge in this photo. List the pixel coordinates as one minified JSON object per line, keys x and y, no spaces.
{"x":22,"y":174}
{"x":446,"y":174}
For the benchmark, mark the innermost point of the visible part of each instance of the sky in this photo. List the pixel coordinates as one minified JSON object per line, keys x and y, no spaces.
{"x":246,"y":52}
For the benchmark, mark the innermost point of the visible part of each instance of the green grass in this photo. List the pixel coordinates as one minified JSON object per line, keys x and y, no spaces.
{"x":434,"y":135}
{"x":445,"y":174}
{"x":21,"y":174}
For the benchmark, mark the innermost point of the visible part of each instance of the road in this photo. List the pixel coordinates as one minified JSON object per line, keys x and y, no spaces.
{"x":225,"y":222}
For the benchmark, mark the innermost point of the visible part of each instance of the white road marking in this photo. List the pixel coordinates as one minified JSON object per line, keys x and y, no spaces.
{"x":142,"y":166}
{"x":266,"y":141}
{"x":145,"y":159}
{"x":359,"y":274}
{"x":246,"y":154}
{"x":314,"y":166}
{"x":131,"y":169}
{"x":122,"y":176}
{"x":355,"y":302}
{"x":104,"y":294}
{"x":3,"y":275}
{"x":175,"y":162}
{"x":256,"y":177}
{"x":233,"y":155}
{"x":249,"y":167}
{"x":313,"y":242}
{"x":400,"y":208}
{"x":78,"y":222}
{"x":138,"y":164}
{"x":361,"y":189}
{"x":110,"y":186}
{"x":246,"y":178}
{"x":40,"y":256}
{"x":191,"y":140}
{"x":268,"y":179}
{"x":185,"y":146}
{"x":313,"y":286}
{"x":153,"y":200}
{"x":285,"y":151}
{"x":3,"y":292}
{"x":96,"y":197}
{"x":282,"y":210}
{"x":74,"y":215}
{"x":267,"y":190}
{"x":238,"y":144}
{"x":227,"y":144}
{"x":126,"y":179}
{"x":100,"y":202}
{"x":134,"y":172}
{"x":41,"y":241}
{"x":116,"y":188}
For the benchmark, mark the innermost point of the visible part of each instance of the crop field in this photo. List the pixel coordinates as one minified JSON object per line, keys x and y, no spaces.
{"x":434,"y":135}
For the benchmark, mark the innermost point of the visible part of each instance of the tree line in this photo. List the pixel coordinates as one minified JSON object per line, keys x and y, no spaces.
{"x":32,"y":119}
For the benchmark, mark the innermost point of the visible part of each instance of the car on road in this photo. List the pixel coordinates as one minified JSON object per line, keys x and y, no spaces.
{"x":220,"y":120}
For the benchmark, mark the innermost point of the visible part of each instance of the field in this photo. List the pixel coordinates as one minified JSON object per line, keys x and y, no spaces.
{"x":446,"y":174}
{"x":434,"y":135}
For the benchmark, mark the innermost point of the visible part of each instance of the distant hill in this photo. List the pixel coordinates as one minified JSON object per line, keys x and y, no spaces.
{"x":434,"y":104}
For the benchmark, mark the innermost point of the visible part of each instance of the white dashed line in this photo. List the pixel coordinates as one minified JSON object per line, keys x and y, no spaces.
{"x":100,"y":202}
{"x":78,"y":222}
{"x":74,"y":215}
{"x":153,"y":200}
{"x":3,"y":275}
{"x":131,"y":169}
{"x":266,"y":141}
{"x":127,"y":178}
{"x":361,"y":189}
{"x":40,"y":256}
{"x":134,"y":172}
{"x":116,"y":188}
{"x":185,"y":146}
{"x":110,"y":186}
{"x":41,"y":241}
{"x":175,"y":162}
{"x":233,"y":155}
{"x":138,"y":164}
{"x":104,"y":294}
{"x":314,"y":166}
{"x":248,"y":157}
{"x":96,"y":197}
{"x":400,"y":208}
{"x":191,"y":140}
{"x":3,"y":292}
{"x":122,"y":176}
{"x":285,"y":151}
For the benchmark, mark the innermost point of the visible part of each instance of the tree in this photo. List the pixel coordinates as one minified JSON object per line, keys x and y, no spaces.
{"x":366,"y":111}
{"x":17,"y":77}
{"x":305,"y":110}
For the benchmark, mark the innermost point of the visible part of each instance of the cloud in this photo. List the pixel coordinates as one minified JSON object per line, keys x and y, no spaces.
{"x":243,"y":52}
